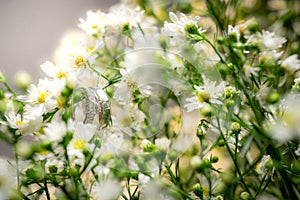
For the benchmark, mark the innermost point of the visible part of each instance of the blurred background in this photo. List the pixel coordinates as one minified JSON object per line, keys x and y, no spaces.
{"x":31,"y":30}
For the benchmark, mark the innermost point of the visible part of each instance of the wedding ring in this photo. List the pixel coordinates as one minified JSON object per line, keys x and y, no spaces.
{"x":92,"y":106}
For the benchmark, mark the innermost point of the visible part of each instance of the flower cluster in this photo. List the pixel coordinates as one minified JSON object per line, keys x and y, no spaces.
{"x":136,"y":106}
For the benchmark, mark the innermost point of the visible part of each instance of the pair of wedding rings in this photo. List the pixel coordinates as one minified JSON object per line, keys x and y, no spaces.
{"x":92,"y":106}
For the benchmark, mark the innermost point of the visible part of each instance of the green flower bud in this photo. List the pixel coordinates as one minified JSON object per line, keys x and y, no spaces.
{"x":52,"y":168}
{"x":214,"y":159}
{"x":229,"y":103}
{"x":221,"y":142}
{"x":245,"y":196}
{"x":199,"y":164}
{"x":147,"y":146}
{"x":198,"y":190}
{"x":273,"y":97}
{"x":173,"y":155}
{"x":221,"y":40}
{"x":219,"y":197}
{"x":235,"y":127}
{"x":98,"y":142}
{"x":206,"y":110}
{"x":229,"y":91}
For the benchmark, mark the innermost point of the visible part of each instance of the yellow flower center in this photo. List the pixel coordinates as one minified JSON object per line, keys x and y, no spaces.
{"x":203,"y":96}
{"x":79,"y":61}
{"x":94,"y":26}
{"x":61,"y":75}
{"x":19,"y":122}
{"x":79,"y":144}
{"x":126,"y":121}
{"x":44,"y":153}
{"x":42,"y":97}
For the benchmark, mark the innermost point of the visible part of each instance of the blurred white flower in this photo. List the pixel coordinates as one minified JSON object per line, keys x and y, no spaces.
{"x":43,"y":97}
{"x":54,"y":71}
{"x":24,"y":123}
{"x":177,"y":28}
{"x":267,"y":41}
{"x":291,"y":63}
{"x":121,"y":16}
{"x":211,"y":91}
{"x":262,"y":167}
{"x":286,"y":126}
{"x":107,"y":190}
{"x":54,"y":131}
{"x":95,"y":22}
{"x":163,"y":143}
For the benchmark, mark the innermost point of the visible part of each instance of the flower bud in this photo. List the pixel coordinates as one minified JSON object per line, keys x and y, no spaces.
{"x":147,"y":146}
{"x":198,"y":190}
{"x":235,"y":127}
{"x":273,"y":97}
{"x":24,"y":150}
{"x":22,"y":79}
{"x":173,"y":155}
{"x":219,"y":197}
{"x":214,"y":159}
{"x":229,"y":91}
{"x":245,"y":196}
{"x":199,"y":164}
{"x":206,"y":110}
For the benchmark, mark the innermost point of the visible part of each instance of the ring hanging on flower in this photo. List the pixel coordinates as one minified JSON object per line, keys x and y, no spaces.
{"x":92,"y":106}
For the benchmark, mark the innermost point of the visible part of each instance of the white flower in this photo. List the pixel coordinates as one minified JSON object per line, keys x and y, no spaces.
{"x":129,"y":118}
{"x":121,"y":16}
{"x":287,"y":125}
{"x":267,"y":40}
{"x":108,"y":190}
{"x":112,"y":144}
{"x":95,"y":22}
{"x":291,"y":63}
{"x":75,"y":49}
{"x":43,"y":97}
{"x":54,"y":131}
{"x":261,"y":168}
{"x":143,"y":179}
{"x":234,"y":30}
{"x":209,"y":92}
{"x":163,"y":143}
{"x":54,"y":71}
{"x":177,"y":28}
{"x":27,"y":123}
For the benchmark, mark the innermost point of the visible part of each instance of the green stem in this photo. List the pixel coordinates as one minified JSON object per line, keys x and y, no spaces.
{"x":214,"y":47}
{"x":46,"y":189}
{"x":9,"y":88}
{"x":233,"y":157}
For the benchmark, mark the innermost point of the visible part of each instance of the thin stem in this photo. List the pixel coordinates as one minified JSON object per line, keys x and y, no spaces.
{"x":233,"y":159}
{"x":46,"y":189}
{"x":9,"y":88}
{"x":214,"y":47}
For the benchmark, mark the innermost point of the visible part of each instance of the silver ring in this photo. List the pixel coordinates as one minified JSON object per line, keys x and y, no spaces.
{"x":92,"y":106}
